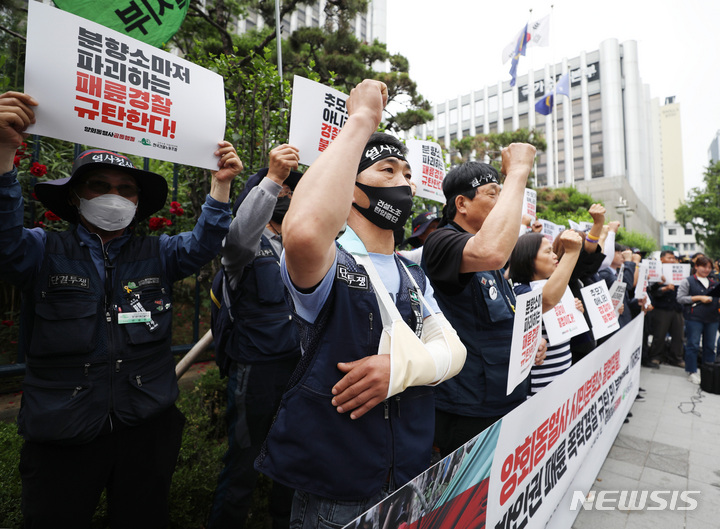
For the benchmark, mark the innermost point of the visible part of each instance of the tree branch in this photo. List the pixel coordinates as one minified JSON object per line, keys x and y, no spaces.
{"x":11,"y":32}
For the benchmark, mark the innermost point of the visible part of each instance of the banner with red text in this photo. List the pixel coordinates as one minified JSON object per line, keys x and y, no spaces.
{"x":101,"y":88}
{"x":525,"y":337}
{"x":522,"y":470}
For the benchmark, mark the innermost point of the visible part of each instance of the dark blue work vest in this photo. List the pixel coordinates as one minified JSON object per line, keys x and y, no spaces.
{"x":313,"y":448}
{"x":263,"y":330}
{"x":483,"y":315}
{"x":87,"y":359}
{"x":706,"y":312}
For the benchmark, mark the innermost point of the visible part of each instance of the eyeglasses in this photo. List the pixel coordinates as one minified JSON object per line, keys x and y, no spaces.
{"x":101,"y":187}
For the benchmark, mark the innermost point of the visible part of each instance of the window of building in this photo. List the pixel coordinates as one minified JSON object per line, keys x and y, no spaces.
{"x":672,"y":231}
{"x":453,"y":116}
{"x":465,"y":112}
{"x":441,"y":119}
{"x":688,"y":231}
{"x":493,"y":104}
{"x":480,"y":107}
{"x":507,"y":100}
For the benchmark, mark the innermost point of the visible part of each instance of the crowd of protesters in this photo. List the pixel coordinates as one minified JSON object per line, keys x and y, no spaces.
{"x":338,"y":331}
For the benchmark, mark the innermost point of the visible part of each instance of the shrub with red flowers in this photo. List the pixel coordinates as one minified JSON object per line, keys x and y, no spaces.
{"x":158,"y":223}
{"x":38,"y":169}
{"x":51,"y":216}
{"x":176,"y":208}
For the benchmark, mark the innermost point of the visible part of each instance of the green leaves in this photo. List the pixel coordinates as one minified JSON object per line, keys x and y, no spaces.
{"x":702,"y":211}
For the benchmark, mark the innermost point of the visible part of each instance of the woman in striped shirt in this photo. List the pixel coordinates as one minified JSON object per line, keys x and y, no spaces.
{"x":533,"y":265}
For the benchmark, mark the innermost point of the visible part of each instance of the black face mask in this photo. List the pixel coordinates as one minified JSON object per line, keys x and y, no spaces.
{"x":281,"y":207}
{"x":389,"y":208}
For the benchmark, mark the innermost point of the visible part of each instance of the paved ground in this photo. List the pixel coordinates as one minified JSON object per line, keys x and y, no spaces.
{"x":672,"y":443}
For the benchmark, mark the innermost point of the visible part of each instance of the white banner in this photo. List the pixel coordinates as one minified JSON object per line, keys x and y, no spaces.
{"x":428,"y":169}
{"x":564,"y":320}
{"x":675,"y":272}
{"x":600,"y":310}
{"x":317,"y":113}
{"x":101,"y":88}
{"x":525,"y":337}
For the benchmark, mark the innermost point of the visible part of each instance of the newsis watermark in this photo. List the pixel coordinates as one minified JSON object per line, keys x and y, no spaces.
{"x":635,"y":500}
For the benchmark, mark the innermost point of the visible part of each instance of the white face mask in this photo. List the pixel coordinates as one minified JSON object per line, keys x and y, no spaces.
{"x":108,"y":212}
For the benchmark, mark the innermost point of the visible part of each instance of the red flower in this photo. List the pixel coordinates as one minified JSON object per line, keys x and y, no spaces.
{"x":38,"y":169}
{"x":23,"y":147}
{"x":33,"y":195}
{"x":176,"y":208}
{"x":17,"y":160}
{"x":39,"y":224}
{"x":8,"y":323}
{"x":158,"y":223}
{"x":51,"y":216}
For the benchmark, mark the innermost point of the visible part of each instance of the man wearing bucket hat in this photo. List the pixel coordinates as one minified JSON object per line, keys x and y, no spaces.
{"x":356,"y":420}
{"x":422,"y":226}
{"x":263,"y":347}
{"x":98,"y":406}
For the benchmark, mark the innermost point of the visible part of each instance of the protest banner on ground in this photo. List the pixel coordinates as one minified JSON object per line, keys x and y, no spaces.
{"x":101,"y":88}
{"x":600,"y":310}
{"x":564,"y":320}
{"x":525,"y":337}
{"x":317,"y":113}
{"x":675,"y":272}
{"x":428,"y":169}
{"x":523,"y":470}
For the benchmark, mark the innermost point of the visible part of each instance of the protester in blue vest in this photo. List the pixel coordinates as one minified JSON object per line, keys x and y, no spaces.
{"x":264,"y":347}
{"x":356,"y":422}
{"x":98,"y":406}
{"x":701,"y":316}
{"x":464,"y":260}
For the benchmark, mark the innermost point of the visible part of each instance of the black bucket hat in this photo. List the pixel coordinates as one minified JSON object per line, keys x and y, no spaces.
{"x":291,"y":181}
{"x":419,"y":225}
{"x":54,"y":194}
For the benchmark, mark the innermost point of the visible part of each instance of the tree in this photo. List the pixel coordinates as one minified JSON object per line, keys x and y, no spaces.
{"x":702,"y":211}
{"x":491,"y":145}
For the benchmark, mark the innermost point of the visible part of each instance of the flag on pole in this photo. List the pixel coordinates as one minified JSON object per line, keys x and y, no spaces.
{"x":545,"y":104}
{"x":520,"y":48}
{"x":538,"y":34}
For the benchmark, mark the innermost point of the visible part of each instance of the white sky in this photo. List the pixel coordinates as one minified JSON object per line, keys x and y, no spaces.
{"x":454,"y":46}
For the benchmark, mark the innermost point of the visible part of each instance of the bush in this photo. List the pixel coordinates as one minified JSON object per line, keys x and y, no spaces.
{"x":10,"y":476}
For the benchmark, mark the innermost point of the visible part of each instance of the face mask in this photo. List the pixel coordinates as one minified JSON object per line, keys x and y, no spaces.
{"x":389,"y":208}
{"x":281,"y":207}
{"x":108,"y":212}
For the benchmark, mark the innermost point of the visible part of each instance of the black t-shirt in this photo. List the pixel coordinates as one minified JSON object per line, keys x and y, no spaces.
{"x":442,"y":257}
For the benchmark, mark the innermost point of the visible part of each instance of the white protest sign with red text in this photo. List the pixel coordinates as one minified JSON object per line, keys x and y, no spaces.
{"x":564,"y":320}
{"x":600,"y":309}
{"x":675,"y":272}
{"x":529,"y":206}
{"x":525,"y":337}
{"x":428,"y":169}
{"x":101,"y":88}
{"x":617,"y":294}
{"x":317,"y":113}
{"x":654,"y":270}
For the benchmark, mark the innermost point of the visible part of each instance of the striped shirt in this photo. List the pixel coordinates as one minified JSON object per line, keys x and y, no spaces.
{"x":558,"y":358}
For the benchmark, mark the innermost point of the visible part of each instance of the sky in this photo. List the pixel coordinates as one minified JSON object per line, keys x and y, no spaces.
{"x":455,"y":46}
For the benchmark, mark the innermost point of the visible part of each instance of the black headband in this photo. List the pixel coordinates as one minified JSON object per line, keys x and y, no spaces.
{"x":379,"y":152}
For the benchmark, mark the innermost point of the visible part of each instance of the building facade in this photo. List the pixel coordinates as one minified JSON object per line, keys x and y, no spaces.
{"x":607,"y":139}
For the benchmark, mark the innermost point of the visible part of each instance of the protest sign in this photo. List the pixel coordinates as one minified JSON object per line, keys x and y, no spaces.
{"x":317,"y":113}
{"x":551,"y":230}
{"x":101,"y":88}
{"x":151,"y":21}
{"x":617,"y":294}
{"x":642,"y":281}
{"x":523,"y":470}
{"x":564,"y":320}
{"x":525,"y":337}
{"x":428,"y":169}
{"x":675,"y":272}
{"x":530,"y":203}
{"x":654,"y":270}
{"x":600,"y":310}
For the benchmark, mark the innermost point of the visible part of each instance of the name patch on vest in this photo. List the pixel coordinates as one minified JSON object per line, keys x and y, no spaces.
{"x":136,"y":284}
{"x":264,"y":252}
{"x":416,"y":306}
{"x":353,"y":279}
{"x":68,"y":280}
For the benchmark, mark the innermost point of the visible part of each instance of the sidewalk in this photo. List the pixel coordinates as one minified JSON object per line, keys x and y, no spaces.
{"x":672,"y":443}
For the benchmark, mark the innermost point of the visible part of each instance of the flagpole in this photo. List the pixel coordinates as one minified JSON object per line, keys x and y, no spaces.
{"x":556,"y":163}
{"x":278,"y":40}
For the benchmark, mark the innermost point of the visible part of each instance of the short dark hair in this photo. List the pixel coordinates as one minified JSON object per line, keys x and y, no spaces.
{"x":666,"y":252}
{"x":462,"y":180}
{"x":522,"y":258}
{"x":702,"y":261}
